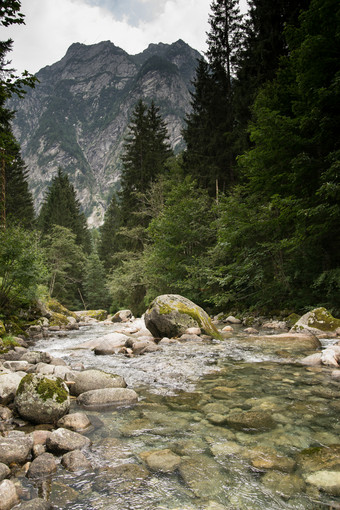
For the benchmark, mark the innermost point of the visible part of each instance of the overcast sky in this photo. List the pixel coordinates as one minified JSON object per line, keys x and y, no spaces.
{"x":53,"y":25}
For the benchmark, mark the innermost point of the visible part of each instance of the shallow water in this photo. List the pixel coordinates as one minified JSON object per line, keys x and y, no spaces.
{"x":188,"y":393}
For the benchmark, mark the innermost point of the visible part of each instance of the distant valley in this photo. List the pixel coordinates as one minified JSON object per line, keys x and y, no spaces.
{"x":76,"y":118}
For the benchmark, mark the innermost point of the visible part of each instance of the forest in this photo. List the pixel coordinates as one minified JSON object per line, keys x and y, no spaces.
{"x":246,"y":218}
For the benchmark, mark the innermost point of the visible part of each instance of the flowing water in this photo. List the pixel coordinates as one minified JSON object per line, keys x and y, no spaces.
{"x":187,"y":393}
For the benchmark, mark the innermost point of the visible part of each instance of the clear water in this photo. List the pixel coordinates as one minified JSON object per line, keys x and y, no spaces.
{"x":185,"y":392}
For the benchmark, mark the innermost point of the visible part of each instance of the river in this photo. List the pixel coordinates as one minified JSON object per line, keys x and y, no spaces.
{"x":185,"y":392}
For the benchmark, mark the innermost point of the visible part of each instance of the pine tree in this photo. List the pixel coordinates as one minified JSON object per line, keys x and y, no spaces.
{"x":109,"y":238}
{"x":61,"y":207}
{"x":95,"y":292}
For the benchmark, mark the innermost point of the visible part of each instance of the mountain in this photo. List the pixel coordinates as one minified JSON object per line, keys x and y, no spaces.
{"x":77,"y":116}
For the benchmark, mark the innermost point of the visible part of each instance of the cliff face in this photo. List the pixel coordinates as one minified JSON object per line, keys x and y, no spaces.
{"x":77,"y":116}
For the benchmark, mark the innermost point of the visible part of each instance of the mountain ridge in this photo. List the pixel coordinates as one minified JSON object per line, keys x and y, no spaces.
{"x":76,"y":118}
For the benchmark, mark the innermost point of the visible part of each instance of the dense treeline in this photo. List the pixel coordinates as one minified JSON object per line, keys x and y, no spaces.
{"x":248,"y":217}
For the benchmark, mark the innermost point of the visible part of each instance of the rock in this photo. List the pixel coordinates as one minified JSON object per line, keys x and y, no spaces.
{"x":143,"y":347}
{"x":286,"y":485}
{"x":99,"y":399}
{"x":335,"y":375}
{"x":35,"y":357}
{"x":34,"y":504}
{"x":106,"y":344}
{"x":228,"y":329}
{"x":190,"y":338}
{"x":63,"y":440}
{"x":42,"y":400}
{"x":292,"y":341}
{"x":4,"y":471}
{"x":8,"y":495}
{"x":197,"y":472}
{"x":331,"y":356}
{"x":5,"y":413}
{"x":95,"y":380}
{"x":76,"y":461}
{"x":313,"y":360}
{"x":327,"y":481}
{"x":40,"y":437}
{"x":164,"y":461}
{"x":15,"y":448}
{"x":225,"y":449}
{"x":16,"y":366}
{"x":9,"y":384}
{"x":193,"y":331}
{"x":317,"y":321}
{"x":122,"y":316}
{"x":319,"y":458}
{"x":124,"y":478}
{"x":75,"y":421}
{"x":42,"y":466}
{"x":170,"y":315}
{"x":268,"y":458}
{"x":251,"y":421}
{"x":97,"y":315}
{"x":275,"y":325}
{"x":251,"y":331}
{"x":232,"y":320}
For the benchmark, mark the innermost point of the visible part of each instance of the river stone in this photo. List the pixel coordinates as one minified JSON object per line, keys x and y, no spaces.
{"x":292,"y":341}
{"x":170,"y":315}
{"x":8,"y":495}
{"x":268,"y":458}
{"x":76,"y":461}
{"x":251,"y":421}
{"x":75,"y":421}
{"x":319,"y":458}
{"x":197,"y":473}
{"x":35,"y":357}
{"x":122,"y":316}
{"x":317,"y":321}
{"x":42,"y":400}
{"x":4,"y":471}
{"x":64,"y":440}
{"x":107,"y":397}
{"x":17,"y":366}
{"x":286,"y":485}
{"x":314,"y":360}
{"x":34,"y":504}
{"x":123,"y":478}
{"x":15,"y":448}
{"x":327,"y":481}
{"x":161,"y":460}
{"x":95,"y":380}
{"x":108,"y":344}
{"x":42,"y":466}
{"x":9,"y":384}
{"x":232,"y":320}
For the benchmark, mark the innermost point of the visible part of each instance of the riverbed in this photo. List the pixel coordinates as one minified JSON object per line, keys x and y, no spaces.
{"x":186,"y":390}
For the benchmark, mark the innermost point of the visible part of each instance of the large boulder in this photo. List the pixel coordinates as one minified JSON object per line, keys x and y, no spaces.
{"x":170,"y":315}
{"x":42,"y":400}
{"x":105,"y":344}
{"x":317,"y":321}
{"x":95,"y":380}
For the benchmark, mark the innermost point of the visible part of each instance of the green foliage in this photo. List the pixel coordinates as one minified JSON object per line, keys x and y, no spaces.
{"x":21,"y":268}
{"x":65,"y":260}
{"x":94,"y":283}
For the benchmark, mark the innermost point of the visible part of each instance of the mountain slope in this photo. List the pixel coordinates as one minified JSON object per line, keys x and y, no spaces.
{"x":76,"y":117}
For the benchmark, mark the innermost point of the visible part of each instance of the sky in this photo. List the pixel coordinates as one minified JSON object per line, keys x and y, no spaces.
{"x":51,"y":26}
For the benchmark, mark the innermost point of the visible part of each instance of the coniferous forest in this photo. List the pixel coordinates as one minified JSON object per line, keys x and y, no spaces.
{"x":246,"y":218}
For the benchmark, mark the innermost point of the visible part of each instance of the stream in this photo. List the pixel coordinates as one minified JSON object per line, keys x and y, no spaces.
{"x":185,"y":392}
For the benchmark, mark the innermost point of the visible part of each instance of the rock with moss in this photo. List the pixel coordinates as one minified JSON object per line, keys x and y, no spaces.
{"x":170,"y":315}
{"x":54,"y":306}
{"x":317,"y":321}
{"x":42,"y":400}
{"x":98,"y":315}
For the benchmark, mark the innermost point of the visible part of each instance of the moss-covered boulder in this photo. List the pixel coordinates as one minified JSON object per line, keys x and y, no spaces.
{"x":317,"y":321}
{"x":98,"y":315}
{"x":42,"y":400}
{"x":2,"y":329}
{"x":54,"y":306}
{"x":58,"y":319}
{"x":170,"y":315}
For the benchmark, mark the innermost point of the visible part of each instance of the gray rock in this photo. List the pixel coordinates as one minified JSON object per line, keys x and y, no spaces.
{"x":16,"y":366}
{"x":34,"y":504}
{"x":9,"y":384}
{"x":75,"y":421}
{"x":76,"y":461}
{"x":170,"y":315}
{"x":232,"y":320}
{"x":63,"y":440}
{"x":250,"y":421}
{"x":95,"y":380}
{"x":313,"y":360}
{"x":197,"y":473}
{"x":42,"y":400}
{"x":99,"y":399}
{"x":327,"y":481}
{"x":143,"y":346}
{"x":122,"y":316}
{"x":15,"y":448}
{"x":164,"y":461}
{"x":42,"y":466}
{"x":125,"y":477}
{"x":35,"y":357}
{"x":4,"y":471}
{"x":8,"y":495}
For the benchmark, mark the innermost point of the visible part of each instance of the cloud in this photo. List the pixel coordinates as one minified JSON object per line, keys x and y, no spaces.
{"x":52,"y":26}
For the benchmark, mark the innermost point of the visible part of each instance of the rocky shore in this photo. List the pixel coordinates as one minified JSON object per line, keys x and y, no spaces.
{"x":40,"y":429}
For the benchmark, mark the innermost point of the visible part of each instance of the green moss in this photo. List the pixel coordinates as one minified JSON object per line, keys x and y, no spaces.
{"x":55,"y":306}
{"x":292,"y":319}
{"x":2,"y":329}
{"x":100,"y":315}
{"x":321,"y":319}
{"x":48,"y":388}
{"x":9,"y":341}
{"x":58,"y":319}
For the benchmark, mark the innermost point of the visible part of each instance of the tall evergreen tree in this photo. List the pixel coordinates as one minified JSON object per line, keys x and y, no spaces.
{"x":62,"y":208}
{"x":109,"y":237}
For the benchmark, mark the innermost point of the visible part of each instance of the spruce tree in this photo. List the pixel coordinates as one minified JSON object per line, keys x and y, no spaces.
{"x":61,"y":207}
{"x":109,"y":237}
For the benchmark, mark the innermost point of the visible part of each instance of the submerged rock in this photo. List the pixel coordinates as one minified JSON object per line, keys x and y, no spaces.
{"x":293,"y":341}
{"x":103,"y":398}
{"x":42,"y":400}
{"x":95,"y":380}
{"x":170,"y":315}
{"x":76,"y":461}
{"x":164,"y":461}
{"x":250,"y":421}
{"x":327,"y":481}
